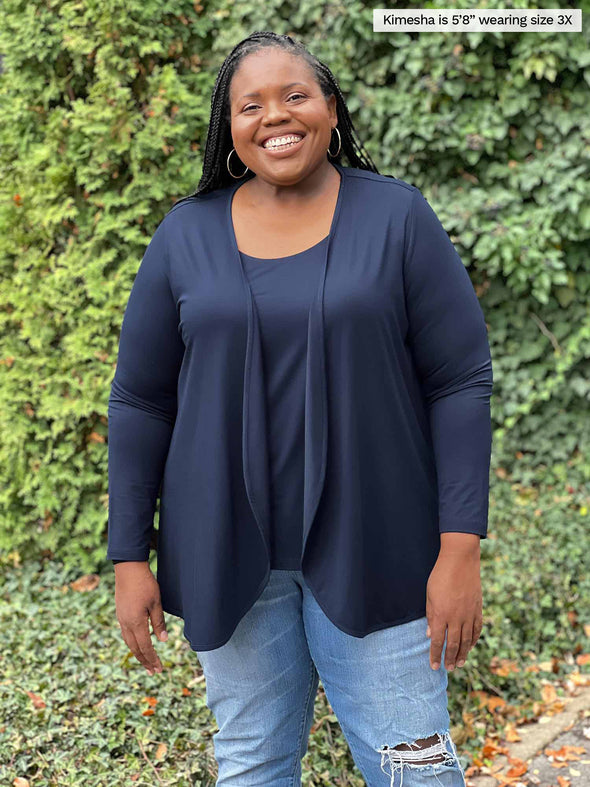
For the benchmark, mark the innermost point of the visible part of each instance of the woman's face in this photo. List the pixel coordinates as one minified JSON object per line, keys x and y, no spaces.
{"x":274,"y":94}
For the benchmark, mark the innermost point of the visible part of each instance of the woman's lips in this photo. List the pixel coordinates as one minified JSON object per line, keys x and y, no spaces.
{"x":283,"y":151}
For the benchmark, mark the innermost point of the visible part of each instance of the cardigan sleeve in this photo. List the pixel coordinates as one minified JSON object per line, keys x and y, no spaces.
{"x":447,"y":336}
{"x":142,"y":404}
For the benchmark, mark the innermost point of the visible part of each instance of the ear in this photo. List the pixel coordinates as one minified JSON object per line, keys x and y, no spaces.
{"x":331,"y":101}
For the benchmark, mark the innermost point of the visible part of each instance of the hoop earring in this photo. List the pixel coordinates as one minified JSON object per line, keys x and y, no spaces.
{"x":229,"y":170}
{"x":333,"y":155}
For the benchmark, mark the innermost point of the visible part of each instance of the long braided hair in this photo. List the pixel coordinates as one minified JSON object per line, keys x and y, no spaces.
{"x":219,"y":140}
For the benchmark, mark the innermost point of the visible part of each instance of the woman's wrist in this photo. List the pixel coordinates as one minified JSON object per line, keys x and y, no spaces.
{"x":460,"y":543}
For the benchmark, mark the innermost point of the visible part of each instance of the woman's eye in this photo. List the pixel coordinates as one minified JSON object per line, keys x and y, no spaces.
{"x":294,"y":95}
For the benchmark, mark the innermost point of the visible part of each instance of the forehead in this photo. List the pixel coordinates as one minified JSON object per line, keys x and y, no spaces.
{"x":269,"y":70}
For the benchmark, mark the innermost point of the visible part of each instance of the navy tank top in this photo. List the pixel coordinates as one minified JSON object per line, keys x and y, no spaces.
{"x":283,"y":289}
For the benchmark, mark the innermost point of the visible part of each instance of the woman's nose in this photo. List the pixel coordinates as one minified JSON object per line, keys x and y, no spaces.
{"x":274,"y":112}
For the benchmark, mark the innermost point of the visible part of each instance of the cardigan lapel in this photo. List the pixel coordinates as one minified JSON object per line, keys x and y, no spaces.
{"x":254,"y":419}
{"x":254,"y":422}
{"x":316,"y":396}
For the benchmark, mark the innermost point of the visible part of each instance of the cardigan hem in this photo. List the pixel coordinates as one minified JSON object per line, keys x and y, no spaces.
{"x":173,"y":611}
{"x":378,"y":627}
{"x":415,"y":615}
{"x":260,"y":590}
{"x":389,"y":624}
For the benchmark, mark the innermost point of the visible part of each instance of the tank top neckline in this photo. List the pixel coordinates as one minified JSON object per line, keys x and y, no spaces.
{"x":287,"y":256}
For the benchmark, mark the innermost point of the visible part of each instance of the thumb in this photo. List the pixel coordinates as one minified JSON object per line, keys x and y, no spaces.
{"x":428,"y":630}
{"x":158,"y":622}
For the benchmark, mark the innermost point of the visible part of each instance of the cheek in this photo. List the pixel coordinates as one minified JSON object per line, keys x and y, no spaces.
{"x":242,"y":130}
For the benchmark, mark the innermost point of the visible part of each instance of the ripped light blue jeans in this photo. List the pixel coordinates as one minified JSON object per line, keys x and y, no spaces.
{"x":261,"y":686}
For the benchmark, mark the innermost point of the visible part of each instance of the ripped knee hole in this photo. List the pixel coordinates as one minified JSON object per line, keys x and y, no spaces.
{"x":423,"y":751}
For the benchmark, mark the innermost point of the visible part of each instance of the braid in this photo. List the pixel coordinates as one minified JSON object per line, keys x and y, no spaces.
{"x":219,"y":140}
{"x":353,"y":148}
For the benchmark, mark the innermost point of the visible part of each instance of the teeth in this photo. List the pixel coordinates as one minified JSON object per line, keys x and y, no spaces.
{"x":276,"y":142}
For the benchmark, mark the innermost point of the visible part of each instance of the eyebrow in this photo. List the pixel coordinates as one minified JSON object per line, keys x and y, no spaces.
{"x":283,"y":87}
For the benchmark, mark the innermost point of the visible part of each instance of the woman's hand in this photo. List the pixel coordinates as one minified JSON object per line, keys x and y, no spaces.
{"x":454,"y":599}
{"x":137,"y":599}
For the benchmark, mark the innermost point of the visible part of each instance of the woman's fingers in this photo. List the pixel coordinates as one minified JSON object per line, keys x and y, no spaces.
{"x":466,"y":642}
{"x":158,"y":622}
{"x":437,"y":640}
{"x":138,"y":640}
{"x":460,"y":640}
{"x":137,"y":600}
{"x":453,"y":645}
{"x":144,"y":642}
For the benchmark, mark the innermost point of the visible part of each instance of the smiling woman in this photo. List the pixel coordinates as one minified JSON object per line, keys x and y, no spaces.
{"x":304,"y":375}
{"x":282,"y":136}
{"x":282,"y":107}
